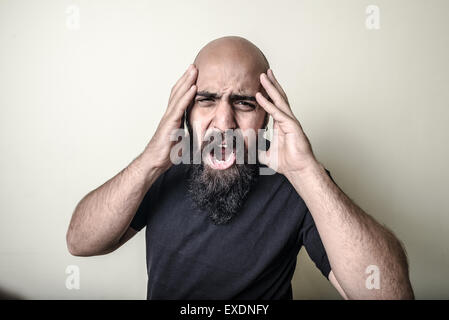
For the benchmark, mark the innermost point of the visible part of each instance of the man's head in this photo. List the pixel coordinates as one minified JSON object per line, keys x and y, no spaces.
{"x":228,"y":80}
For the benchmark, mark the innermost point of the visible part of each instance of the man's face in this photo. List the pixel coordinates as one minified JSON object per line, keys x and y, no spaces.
{"x":227,"y":82}
{"x":225,"y":100}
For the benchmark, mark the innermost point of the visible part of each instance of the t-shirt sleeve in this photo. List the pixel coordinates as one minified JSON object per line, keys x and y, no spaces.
{"x":149,"y":200}
{"x":313,"y":244}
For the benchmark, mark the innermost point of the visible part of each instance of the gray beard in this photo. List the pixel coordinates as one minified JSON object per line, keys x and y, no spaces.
{"x":221,"y":193}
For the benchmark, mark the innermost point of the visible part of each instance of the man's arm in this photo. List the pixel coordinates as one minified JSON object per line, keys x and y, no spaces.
{"x":103,"y":216}
{"x":337,"y":286}
{"x":100,"y":222}
{"x":353,"y":240}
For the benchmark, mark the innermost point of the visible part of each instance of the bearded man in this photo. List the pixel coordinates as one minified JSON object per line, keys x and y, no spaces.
{"x":218,"y":228}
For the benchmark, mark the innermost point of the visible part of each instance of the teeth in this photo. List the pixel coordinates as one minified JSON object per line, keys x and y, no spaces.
{"x":221,"y":161}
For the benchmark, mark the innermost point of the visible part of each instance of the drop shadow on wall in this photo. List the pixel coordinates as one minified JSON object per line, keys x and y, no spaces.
{"x":9,"y":295}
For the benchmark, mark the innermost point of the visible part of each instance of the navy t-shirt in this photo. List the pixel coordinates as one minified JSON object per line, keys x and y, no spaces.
{"x":251,"y":257}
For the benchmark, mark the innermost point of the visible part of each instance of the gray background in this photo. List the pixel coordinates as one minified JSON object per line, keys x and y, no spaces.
{"x":76,"y":106}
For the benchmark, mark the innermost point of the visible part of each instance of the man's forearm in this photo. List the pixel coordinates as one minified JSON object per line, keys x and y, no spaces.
{"x":103,"y":215}
{"x":101,"y":219}
{"x":353,"y":240}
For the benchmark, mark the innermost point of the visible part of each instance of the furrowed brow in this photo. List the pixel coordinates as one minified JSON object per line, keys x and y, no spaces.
{"x":237,"y":97}
{"x":207,"y":94}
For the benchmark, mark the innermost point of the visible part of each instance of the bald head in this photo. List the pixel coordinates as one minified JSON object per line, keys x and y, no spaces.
{"x":230,"y":64}
{"x":233,"y":50}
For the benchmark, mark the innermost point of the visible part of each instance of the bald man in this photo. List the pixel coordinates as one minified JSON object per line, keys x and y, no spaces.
{"x":217,"y":228}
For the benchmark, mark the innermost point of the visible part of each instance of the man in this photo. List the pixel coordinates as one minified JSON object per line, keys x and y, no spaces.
{"x":217,"y":229}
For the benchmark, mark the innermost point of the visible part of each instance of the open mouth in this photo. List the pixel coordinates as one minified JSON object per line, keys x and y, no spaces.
{"x":222,"y":160}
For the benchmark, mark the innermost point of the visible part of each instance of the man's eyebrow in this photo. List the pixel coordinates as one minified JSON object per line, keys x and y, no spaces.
{"x":207,"y":94}
{"x":236,"y":97}
{"x":232,"y":97}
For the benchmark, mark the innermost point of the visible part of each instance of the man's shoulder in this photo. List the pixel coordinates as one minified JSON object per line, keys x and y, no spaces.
{"x":176,"y":172}
{"x":270,"y":177}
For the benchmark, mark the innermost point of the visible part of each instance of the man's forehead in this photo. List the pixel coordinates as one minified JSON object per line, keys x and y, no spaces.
{"x":237,"y":79}
{"x":228,"y":67}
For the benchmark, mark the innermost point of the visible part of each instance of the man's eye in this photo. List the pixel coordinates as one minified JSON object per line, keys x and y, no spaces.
{"x":205,"y":100}
{"x":245,"y":105}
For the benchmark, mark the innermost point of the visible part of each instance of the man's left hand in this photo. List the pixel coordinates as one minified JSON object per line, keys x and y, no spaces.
{"x":290,"y":151}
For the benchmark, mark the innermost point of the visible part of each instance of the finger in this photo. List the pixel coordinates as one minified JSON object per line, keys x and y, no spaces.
{"x":191,"y":66}
{"x":183,"y":103}
{"x":174,"y":89}
{"x":274,"y":94}
{"x":274,"y":111}
{"x":273,"y":79}
{"x":184,"y":87}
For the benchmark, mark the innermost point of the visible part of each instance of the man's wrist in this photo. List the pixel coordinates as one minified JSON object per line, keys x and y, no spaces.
{"x":313,"y":169}
{"x":145,"y":167}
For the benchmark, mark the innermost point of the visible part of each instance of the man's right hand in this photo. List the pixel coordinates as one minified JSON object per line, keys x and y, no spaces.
{"x":101,"y":221}
{"x":182,"y":94}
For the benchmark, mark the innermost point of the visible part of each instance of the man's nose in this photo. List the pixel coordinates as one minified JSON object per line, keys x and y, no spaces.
{"x":224,"y":117}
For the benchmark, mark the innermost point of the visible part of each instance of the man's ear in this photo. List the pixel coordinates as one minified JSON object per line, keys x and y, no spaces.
{"x":186,"y":115}
{"x":186,"y":118}
{"x":267,"y":115}
{"x":265,"y":122}
{"x":183,"y":119}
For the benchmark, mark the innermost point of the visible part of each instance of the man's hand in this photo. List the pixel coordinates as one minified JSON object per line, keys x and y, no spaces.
{"x":290,"y":150}
{"x":101,"y":221}
{"x":181,"y":96}
{"x":353,"y":240}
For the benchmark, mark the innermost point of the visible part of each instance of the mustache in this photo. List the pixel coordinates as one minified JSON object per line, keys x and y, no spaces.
{"x":216,"y":138}
{"x":231,"y":140}
{"x":243,"y":143}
